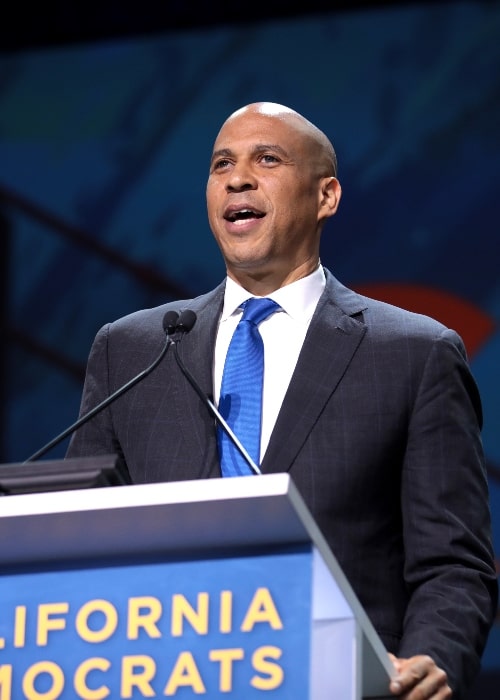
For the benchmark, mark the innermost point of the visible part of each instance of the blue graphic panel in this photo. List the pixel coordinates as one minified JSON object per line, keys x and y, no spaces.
{"x":160,"y":629}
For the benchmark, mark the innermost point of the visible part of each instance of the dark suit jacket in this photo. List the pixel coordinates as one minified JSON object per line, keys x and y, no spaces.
{"x":380,"y":432}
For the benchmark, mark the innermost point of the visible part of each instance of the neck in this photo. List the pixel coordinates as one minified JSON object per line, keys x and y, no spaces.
{"x":263,"y":284}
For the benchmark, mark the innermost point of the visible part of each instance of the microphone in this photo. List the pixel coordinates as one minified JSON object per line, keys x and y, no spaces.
{"x":183,"y":323}
{"x":186,"y":321}
{"x":172,"y":328}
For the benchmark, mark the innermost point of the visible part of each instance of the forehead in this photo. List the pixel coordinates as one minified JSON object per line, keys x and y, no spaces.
{"x":250,"y":129}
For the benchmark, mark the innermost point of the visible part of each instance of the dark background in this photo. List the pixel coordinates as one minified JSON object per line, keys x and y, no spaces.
{"x":55,"y":23}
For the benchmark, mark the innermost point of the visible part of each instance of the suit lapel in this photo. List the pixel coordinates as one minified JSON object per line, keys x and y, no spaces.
{"x":196,"y":352}
{"x":331,"y":342}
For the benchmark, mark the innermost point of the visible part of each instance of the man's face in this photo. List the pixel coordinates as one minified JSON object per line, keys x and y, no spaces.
{"x":264,"y":195}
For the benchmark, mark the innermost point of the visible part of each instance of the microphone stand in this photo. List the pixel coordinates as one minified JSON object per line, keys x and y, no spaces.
{"x":213,"y":409}
{"x":175,"y":326}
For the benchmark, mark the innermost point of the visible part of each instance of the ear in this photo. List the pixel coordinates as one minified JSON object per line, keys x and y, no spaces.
{"x":330,"y":193}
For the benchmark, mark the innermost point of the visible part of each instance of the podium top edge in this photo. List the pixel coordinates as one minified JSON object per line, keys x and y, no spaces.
{"x":151,"y":494}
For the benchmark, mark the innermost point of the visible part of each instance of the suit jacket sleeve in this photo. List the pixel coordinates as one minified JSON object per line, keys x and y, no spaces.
{"x":448,"y":569}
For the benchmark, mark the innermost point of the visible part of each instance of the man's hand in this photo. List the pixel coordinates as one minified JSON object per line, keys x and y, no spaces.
{"x":419,"y":678}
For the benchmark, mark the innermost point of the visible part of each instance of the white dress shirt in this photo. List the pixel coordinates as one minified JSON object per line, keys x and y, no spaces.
{"x":283,"y":334}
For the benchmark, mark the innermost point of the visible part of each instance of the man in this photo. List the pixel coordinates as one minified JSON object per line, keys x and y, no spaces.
{"x":371,"y":409}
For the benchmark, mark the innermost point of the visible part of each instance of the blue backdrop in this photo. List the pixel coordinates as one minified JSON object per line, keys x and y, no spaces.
{"x":104,"y":152}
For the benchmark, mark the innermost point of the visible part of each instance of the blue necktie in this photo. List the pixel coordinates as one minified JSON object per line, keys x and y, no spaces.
{"x":241,"y":390}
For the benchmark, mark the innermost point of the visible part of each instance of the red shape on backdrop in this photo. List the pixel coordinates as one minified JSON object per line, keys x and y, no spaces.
{"x":473,"y":324}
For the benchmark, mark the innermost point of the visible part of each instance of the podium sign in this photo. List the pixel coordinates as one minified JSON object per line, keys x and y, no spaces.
{"x":216,"y":588}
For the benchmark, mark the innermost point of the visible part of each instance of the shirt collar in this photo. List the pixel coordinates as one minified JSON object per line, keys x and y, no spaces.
{"x":298,"y":299}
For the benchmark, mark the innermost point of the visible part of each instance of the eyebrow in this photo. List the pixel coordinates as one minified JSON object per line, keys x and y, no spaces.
{"x":259,"y":148}
{"x":221,"y":152}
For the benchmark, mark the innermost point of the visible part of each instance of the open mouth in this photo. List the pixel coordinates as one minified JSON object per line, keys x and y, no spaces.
{"x":243,"y":215}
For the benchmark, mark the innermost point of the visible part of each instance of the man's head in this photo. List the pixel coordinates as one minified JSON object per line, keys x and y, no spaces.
{"x":272,"y":185}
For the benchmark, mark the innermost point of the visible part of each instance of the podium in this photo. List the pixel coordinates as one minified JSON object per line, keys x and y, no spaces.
{"x":212,"y":588}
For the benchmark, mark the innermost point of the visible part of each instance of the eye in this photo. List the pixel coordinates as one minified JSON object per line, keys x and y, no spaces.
{"x":269,"y":158}
{"x":221,"y":164}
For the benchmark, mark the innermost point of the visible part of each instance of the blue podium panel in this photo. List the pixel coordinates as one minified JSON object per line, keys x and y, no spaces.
{"x":237,"y":626}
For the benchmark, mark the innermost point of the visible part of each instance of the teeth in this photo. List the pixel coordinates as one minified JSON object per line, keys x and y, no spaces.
{"x":242,"y":214}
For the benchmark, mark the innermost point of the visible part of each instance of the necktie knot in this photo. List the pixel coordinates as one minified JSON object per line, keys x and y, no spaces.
{"x":256,"y":309}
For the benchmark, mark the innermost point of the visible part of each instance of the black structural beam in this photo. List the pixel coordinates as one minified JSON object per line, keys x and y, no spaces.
{"x":56,"y":22}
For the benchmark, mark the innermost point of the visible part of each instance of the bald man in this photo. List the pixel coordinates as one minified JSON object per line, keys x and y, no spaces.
{"x":371,"y":409}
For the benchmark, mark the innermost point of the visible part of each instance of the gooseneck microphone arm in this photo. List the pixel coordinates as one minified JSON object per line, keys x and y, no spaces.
{"x":186,"y":321}
{"x":175,"y":326}
{"x":170,"y":326}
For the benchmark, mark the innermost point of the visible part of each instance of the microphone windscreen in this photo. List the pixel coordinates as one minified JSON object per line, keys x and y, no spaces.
{"x":186,"y":321}
{"x":170,"y":322}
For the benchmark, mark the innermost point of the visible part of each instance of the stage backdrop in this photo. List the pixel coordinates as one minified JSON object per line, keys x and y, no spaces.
{"x":104,"y":152}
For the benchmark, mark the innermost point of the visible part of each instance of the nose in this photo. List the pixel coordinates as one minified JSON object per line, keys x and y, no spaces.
{"x":240,"y":179}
